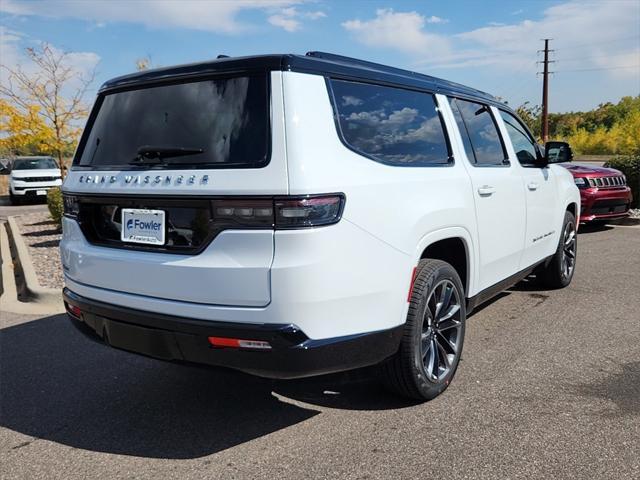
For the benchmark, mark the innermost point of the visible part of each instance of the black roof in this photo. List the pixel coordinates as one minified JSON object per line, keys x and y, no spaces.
{"x":313,"y":62}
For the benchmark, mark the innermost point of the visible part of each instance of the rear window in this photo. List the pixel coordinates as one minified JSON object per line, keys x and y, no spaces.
{"x":391,"y":125}
{"x":221,"y":123}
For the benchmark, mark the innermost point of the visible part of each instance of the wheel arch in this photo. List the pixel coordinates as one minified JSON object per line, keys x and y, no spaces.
{"x":453,"y":245}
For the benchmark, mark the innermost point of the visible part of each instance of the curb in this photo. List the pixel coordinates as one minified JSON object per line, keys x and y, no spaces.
{"x":35,"y":292}
{"x":9,"y":298}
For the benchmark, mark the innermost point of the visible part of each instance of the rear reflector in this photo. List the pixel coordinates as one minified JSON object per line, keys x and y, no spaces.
{"x":413,"y":280}
{"x":223,"y":342}
{"x":73,"y":310}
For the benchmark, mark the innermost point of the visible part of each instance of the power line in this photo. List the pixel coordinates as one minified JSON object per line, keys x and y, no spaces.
{"x":590,"y":57}
{"x":591,"y":44}
{"x":615,"y":67}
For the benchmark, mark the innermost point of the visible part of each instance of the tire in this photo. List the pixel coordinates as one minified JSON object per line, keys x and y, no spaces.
{"x":412,"y":371}
{"x":14,"y":199}
{"x":559,"y":271}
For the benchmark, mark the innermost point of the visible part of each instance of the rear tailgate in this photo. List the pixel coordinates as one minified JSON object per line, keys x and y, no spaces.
{"x":197,"y":261}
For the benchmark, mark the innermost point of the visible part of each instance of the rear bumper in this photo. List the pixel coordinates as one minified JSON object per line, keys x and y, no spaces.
{"x":600,"y":204}
{"x":166,"y":337}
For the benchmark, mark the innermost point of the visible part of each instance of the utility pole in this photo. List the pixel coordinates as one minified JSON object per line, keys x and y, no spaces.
{"x":545,"y":90}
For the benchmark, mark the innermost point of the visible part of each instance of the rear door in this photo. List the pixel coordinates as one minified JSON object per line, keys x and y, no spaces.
{"x":540,"y":191}
{"x":497,"y":191}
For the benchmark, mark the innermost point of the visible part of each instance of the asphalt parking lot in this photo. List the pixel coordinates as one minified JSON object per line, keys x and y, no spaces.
{"x":549,"y":386}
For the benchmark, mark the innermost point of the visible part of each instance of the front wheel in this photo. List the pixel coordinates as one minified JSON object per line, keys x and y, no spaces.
{"x":559,"y":271}
{"x":433,"y":336}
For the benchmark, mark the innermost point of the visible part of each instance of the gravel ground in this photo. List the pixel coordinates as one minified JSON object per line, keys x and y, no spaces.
{"x":42,"y":237}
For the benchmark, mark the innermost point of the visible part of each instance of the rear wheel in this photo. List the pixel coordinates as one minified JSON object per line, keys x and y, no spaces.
{"x":559,"y":272}
{"x":433,"y":336}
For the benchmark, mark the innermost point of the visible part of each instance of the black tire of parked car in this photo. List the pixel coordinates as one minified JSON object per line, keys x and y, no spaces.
{"x":410,"y":372}
{"x":560,"y":269}
{"x":13,"y":199}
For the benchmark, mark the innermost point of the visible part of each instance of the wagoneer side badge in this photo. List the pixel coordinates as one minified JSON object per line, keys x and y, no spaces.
{"x":147,"y":179}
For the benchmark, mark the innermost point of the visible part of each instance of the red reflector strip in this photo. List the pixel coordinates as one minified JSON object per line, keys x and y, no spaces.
{"x":73,"y":310}
{"x":413,"y":279}
{"x":239,"y":343}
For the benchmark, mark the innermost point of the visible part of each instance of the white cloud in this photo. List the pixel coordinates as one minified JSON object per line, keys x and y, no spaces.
{"x":218,"y":16}
{"x":584,"y":30}
{"x":403,"y":31}
{"x":289,"y":18}
{"x":12,"y":52}
{"x":434,"y":19}
{"x":9,"y":45}
{"x":288,"y":23}
{"x":315,"y":15}
{"x":594,"y":26}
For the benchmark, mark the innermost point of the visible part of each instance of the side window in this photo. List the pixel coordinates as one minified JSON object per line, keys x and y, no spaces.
{"x":483,"y":133}
{"x":391,"y":125}
{"x":463,"y":130}
{"x":522,"y":142}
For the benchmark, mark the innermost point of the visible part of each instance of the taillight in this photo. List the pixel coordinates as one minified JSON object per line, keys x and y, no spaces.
{"x":231,"y":212}
{"x":308,"y":211}
{"x":279,"y":212}
{"x":71,"y":206}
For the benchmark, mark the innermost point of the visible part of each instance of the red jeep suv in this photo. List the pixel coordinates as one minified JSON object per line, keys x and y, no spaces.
{"x":604,"y":193}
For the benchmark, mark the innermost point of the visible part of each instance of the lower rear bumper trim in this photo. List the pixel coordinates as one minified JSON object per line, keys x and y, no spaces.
{"x":292,"y":355}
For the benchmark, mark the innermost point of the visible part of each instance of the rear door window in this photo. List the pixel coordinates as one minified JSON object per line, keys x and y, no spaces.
{"x":482,"y":131}
{"x":220,"y":123}
{"x":391,"y":125}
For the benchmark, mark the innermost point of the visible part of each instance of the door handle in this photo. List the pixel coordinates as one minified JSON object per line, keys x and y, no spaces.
{"x":486,"y":191}
{"x":532,"y":186}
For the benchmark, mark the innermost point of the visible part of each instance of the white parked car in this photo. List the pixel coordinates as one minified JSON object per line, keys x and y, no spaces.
{"x":290,"y":216}
{"x":32,"y":177}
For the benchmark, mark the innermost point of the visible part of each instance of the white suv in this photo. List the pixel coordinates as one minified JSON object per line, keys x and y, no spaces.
{"x":32,"y":177}
{"x":292,"y":215}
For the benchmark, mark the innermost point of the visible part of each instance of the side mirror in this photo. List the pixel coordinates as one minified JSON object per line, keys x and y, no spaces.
{"x":541,"y":159}
{"x":558,"y":152}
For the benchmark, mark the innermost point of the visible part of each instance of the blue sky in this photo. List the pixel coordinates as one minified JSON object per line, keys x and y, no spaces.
{"x":490,"y":45}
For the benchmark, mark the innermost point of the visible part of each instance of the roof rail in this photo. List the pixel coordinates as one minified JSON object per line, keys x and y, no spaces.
{"x":356,"y":61}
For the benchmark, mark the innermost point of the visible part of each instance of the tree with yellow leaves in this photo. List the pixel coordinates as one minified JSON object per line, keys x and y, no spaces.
{"x":25,"y":131}
{"x":44,"y":107}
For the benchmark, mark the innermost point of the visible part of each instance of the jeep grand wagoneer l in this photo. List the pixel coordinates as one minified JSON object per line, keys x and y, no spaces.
{"x":292,"y":215}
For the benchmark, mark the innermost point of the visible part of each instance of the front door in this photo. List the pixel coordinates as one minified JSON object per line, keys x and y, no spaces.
{"x":540,"y":189}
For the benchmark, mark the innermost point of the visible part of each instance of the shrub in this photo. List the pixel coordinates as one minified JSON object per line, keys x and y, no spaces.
{"x":630,"y":166}
{"x":56,"y":205}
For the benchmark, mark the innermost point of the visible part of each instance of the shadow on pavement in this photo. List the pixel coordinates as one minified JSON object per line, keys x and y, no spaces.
{"x":594,"y":228}
{"x":59,"y":386}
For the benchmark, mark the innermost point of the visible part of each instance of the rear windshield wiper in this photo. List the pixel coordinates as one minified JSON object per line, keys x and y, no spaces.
{"x":154,"y":154}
